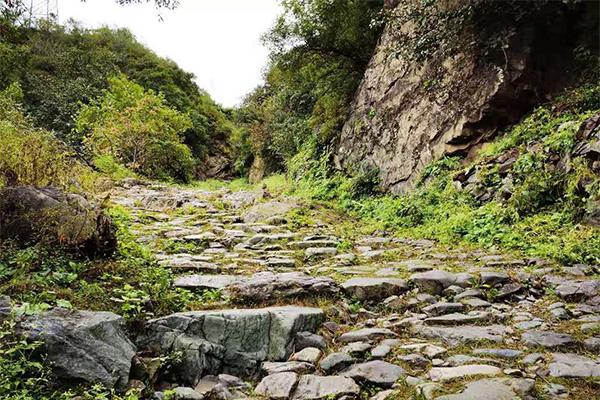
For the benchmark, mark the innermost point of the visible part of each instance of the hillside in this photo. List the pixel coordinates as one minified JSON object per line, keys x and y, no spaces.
{"x":408,"y":208}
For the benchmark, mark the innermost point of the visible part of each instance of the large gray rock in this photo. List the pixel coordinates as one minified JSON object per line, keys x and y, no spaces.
{"x":264,"y":211}
{"x":376,"y":372}
{"x":547,"y":339}
{"x":374,"y":288}
{"x":433,"y":282}
{"x":264,"y":286}
{"x":578,"y":290}
{"x":278,"y":386}
{"x":399,"y":123}
{"x":462,"y":371}
{"x":30,"y":215}
{"x":366,"y":334}
{"x":569,"y":365}
{"x":493,"y":389}
{"x":230,"y":341}
{"x":465,"y":334}
{"x":83,"y":346}
{"x":335,"y":362}
{"x":313,"y":387}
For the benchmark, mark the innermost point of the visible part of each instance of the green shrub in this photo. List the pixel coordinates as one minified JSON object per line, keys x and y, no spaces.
{"x":31,"y":156}
{"x":137,"y":128}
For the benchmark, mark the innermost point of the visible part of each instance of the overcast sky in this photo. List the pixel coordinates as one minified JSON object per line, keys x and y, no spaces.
{"x":217,"y":40}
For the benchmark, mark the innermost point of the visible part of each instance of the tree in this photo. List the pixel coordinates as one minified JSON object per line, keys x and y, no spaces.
{"x":136,"y":128}
{"x":319,"y":52}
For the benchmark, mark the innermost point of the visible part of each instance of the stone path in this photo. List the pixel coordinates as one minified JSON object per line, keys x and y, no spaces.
{"x":313,"y":312}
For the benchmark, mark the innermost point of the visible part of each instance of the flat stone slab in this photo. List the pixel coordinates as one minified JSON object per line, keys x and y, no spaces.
{"x":205,"y":281}
{"x":313,"y":387}
{"x":457,"y":319}
{"x":366,"y":334}
{"x":453,"y":336}
{"x":547,"y":339}
{"x":443,"y":308}
{"x":335,"y":362}
{"x":305,"y":244}
{"x":186,"y":261}
{"x":277,"y":386}
{"x":263,"y":211}
{"x":282,"y":262}
{"x":434,"y":281}
{"x":442,"y":374}
{"x":376,"y":372}
{"x":569,"y":365}
{"x":298,"y":367}
{"x":313,"y":252}
{"x":374,"y":288}
{"x":502,"y":353}
{"x":264,"y":286}
{"x":493,"y":389}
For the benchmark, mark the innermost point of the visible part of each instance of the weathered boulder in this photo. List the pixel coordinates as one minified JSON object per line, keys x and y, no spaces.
{"x":278,"y":386}
{"x":570,"y":365}
{"x":493,"y":389}
{"x":376,"y":372}
{"x":264,"y":286}
{"x":30,"y":215}
{"x":230,"y":341}
{"x":264,"y":211}
{"x":83,"y":346}
{"x":313,"y":387}
{"x":374,"y":288}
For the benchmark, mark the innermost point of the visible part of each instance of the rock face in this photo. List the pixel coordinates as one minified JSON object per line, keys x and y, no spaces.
{"x":30,"y":215}
{"x":313,"y":387}
{"x":230,"y":341}
{"x":403,"y":118}
{"x":82,"y":346}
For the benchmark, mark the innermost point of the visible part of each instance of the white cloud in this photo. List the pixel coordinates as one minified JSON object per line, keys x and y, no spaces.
{"x":217,"y":40}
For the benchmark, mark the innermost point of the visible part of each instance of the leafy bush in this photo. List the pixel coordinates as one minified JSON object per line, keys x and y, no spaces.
{"x":21,"y":376}
{"x":319,"y":52}
{"x":139,"y":130}
{"x":31,"y":156}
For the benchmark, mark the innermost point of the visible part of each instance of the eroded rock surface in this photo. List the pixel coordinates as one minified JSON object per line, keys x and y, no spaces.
{"x":83,"y":346}
{"x":231,"y":341}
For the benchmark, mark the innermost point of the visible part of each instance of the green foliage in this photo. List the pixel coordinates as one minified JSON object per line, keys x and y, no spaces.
{"x":540,"y":218}
{"x":319,"y":52}
{"x":31,"y":156}
{"x":62,"y":67}
{"x":138,"y":129}
{"x":21,"y":376}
